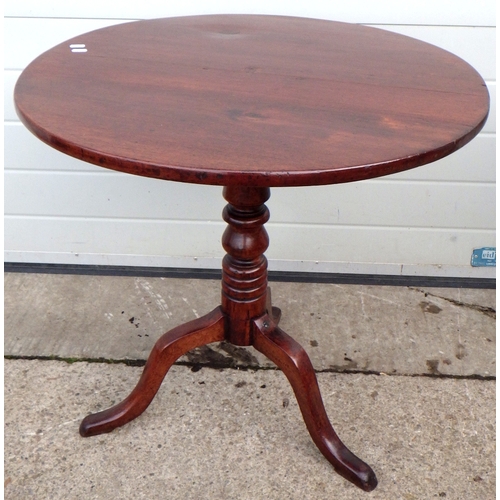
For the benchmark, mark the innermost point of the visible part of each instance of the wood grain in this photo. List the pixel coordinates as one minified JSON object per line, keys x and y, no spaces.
{"x":260,"y":100}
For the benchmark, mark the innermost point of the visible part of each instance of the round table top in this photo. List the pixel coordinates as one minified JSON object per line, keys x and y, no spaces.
{"x":251,"y":100}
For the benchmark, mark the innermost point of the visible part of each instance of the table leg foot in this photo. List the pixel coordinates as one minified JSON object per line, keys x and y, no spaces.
{"x":296,"y":365}
{"x":167,"y":350}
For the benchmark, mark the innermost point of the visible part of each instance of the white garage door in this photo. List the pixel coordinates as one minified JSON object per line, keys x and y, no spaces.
{"x":424,"y":222}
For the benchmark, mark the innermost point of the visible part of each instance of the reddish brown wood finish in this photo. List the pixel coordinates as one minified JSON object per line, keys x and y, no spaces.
{"x":252,"y":100}
{"x":166,"y":351}
{"x":244,"y":268}
{"x":246,"y":317}
{"x":296,"y":365}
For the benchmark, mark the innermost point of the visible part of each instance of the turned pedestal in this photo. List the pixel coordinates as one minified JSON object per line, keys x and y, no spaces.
{"x":244,"y":318}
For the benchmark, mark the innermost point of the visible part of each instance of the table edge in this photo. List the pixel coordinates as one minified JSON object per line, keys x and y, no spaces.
{"x":197,"y":175}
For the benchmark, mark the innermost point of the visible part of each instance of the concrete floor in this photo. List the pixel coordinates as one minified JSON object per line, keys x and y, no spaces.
{"x":407,"y":377}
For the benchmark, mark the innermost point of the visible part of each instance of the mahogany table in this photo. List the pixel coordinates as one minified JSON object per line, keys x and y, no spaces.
{"x":248,"y":103}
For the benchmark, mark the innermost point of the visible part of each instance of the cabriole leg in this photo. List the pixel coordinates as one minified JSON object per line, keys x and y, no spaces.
{"x":167,"y":350}
{"x":289,"y":355}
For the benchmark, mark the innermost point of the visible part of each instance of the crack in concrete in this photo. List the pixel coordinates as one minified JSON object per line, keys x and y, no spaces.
{"x":206,"y":355}
{"x":224,"y":364}
{"x":488,"y":311}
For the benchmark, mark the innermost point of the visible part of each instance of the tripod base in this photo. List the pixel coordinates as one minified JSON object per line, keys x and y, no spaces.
{"x":245,"y":317}
{"x":273,"y":342}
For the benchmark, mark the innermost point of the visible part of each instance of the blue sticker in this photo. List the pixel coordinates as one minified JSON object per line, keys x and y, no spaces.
{"x":483,"y":257}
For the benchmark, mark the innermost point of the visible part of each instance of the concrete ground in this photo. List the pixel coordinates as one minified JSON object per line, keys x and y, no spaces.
{"x":407,"y":377}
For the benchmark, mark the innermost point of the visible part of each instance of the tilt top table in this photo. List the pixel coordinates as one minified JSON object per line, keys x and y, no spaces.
{"x":248,"y":103}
